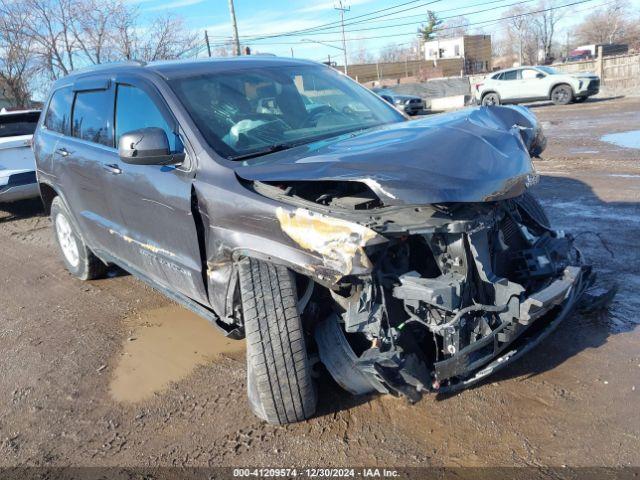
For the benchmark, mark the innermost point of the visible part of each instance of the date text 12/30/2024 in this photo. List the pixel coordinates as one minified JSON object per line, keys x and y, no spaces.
{"x":315,"y":473}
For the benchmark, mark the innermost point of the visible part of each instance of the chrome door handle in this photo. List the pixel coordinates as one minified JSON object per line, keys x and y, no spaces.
{"x":112,"y":168}
{"x":63,"y":152}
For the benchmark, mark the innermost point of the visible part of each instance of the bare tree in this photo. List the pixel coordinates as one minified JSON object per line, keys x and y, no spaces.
{"x":394,"y":53}
{"x":62,"y":35}
{"x":17,"y":69}
{"x":49,"y":32}
{"x":611,"y":24}
{"x":454,"y":27}
{"x":94,"y":28}
{"x":223,"y":50}
{"x":521,"y":34}
{"x":360,"y":55}
{"x":545,"y":24}
{"x":166,"y":38}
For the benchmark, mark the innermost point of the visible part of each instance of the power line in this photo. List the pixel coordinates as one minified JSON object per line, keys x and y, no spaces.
{"x":421,"y":21}
{"x":305,"y":31}
{"x":449,"y":28}
{"x":321,"y":29}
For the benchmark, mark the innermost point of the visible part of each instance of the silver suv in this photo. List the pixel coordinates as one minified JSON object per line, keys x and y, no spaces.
{"x":529,"y":84}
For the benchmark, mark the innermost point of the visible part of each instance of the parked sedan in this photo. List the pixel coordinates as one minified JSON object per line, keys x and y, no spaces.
{"x":529,"y":84}
{"x":17,"y":165}
{"x":409,"y":104}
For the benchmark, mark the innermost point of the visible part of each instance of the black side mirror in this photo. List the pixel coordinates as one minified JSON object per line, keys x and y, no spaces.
{"x":539,"y":75}
{"x":147,"y":146}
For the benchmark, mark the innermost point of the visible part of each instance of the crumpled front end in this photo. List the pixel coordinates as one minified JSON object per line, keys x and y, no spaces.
{"x":427,"y":265}
{"x":448,"y":305}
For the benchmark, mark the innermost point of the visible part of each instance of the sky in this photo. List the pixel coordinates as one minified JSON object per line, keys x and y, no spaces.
{"x":397,"y":24}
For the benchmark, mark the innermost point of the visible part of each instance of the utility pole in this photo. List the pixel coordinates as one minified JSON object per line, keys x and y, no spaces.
{"x":234,"y":26}
{"x":206,"y":39}
{"x":342,"y":7}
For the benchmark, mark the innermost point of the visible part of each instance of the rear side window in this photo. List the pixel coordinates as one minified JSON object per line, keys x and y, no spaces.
{"x":58,"y":114}
{"x":92,"y":114}
{"x":510,"y":75}
{"x":136,"y":110}
{"x":16,"y":124}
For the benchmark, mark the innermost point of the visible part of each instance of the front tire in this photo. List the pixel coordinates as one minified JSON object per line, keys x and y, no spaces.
{"x":490,"y":99}
{"x":562,"y":95}
{"x":534,"y":209}
{"x":279,"y":384}
{"x":77,"y":257}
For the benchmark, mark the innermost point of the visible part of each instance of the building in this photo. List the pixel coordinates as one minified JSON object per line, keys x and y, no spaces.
{"x":474,"y":50}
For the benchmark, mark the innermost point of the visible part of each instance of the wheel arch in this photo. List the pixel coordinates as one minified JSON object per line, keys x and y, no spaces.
{"x":47,"y":194}
{"x":558,"y":84}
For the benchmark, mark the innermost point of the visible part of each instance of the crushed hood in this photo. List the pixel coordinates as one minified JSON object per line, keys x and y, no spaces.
{"x":472,"y":155}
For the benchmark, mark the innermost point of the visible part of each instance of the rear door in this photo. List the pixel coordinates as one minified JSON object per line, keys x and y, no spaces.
{"x":509,"y":88}
{"x":81,"y":157}
{"x":156,"y":229}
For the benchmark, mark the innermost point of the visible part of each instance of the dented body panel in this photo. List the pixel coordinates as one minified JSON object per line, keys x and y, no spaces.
{"x":472,"y":155}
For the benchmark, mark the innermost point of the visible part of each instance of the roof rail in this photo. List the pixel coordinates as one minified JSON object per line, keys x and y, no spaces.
{"x":107,"y":66}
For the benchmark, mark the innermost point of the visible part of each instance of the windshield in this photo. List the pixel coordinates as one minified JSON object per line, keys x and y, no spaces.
{"x":250,"y":112}
{"x":549,"y":70}
{"x":16,"y":124}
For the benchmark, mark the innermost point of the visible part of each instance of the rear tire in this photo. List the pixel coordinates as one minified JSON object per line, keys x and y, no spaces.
{"x":77,"y":257}
{"x":562,"y":95}
{"x":279,"y":384}
{"x":490,"y":99}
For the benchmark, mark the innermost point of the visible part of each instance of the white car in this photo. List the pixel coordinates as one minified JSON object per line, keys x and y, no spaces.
{"x":17,"y":163}
{"x":530,"y":84}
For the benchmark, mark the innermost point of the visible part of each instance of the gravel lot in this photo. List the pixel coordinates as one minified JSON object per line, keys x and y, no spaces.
{"x":110,"y":373}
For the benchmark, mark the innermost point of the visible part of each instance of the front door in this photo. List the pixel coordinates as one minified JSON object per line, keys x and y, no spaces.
{"x":82,"y":156}
{"x":532,"y":85}
{"x":152,"y":203}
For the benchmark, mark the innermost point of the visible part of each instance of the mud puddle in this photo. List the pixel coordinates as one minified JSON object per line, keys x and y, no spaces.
{"x":164,"y":346}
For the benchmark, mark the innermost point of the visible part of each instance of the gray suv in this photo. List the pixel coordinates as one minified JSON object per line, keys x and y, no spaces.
{"x":287,"y":204}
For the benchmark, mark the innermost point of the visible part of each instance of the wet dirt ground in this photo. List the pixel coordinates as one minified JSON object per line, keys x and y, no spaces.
{"x":110,"y":373}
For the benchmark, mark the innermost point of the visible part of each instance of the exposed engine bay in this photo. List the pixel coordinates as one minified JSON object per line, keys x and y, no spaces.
{"x":440,"y":305}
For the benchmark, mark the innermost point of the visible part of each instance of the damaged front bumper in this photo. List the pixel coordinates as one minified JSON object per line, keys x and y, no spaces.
{"x":458,"y":304}
{"x":493,"y":352}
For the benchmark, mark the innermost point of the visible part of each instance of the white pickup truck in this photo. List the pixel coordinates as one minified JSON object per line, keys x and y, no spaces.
{"x":17,"y":164}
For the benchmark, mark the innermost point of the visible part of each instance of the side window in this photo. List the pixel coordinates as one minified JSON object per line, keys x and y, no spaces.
{"x":58,"y":114}
{"x":498,"y":76}
{"x":91,"y":119}
{"x":135,"y":110}
{"x":510,"y":75}
{"x":529,"y":73}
